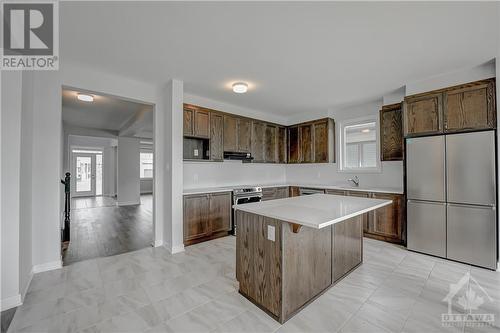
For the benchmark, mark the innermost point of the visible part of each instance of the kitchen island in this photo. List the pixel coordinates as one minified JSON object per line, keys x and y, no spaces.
{"x":289,"y":251}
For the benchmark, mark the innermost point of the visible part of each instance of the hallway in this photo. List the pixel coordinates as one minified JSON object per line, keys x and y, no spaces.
{"x":100,"y":228}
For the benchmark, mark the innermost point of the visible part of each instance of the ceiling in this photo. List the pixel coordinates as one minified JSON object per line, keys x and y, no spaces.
{"x":297,"y":57}
{"x":107,"y":113}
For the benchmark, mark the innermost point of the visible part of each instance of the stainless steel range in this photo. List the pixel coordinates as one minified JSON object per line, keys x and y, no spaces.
{"x":243,"y":195}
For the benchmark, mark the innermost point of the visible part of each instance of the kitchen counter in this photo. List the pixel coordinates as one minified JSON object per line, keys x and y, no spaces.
{"x":315,"y":186}
{"x":314,"y":211}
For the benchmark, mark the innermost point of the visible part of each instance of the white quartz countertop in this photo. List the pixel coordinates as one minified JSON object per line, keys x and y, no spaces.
{"x":315,"y":186}
{"x":316,"y":210}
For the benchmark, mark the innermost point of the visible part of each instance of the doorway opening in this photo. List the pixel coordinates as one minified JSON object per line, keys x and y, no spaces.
{"x":108,"y":149}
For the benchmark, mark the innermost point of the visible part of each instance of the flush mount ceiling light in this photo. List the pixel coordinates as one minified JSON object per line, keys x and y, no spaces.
{"x":366,"y":130}
{"x":85,"y":97}
{"x":240,"y":87}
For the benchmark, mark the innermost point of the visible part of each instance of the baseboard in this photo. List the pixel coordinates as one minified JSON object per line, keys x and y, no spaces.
{"x":174,"y":249}
{"x":47,"y":266}
{"x":26,"y":287}
{"x":128,"y":203}
{"x":158,"y":242}
{"x":147,"y":192}
{"x":10,"y":302}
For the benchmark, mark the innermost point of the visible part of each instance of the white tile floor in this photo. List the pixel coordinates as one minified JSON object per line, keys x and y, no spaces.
{"x":196,"y":291}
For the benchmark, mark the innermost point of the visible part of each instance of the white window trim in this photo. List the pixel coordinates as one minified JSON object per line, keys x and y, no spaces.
{"x":341,"y":150}
{"x":147,"y":151}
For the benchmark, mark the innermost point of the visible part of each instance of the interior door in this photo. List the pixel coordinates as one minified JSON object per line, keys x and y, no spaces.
{"x":84,"y":171}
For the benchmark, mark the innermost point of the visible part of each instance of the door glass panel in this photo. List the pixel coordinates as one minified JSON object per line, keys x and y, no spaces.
{"x":83,"y":173}
{"x":98,"y":174}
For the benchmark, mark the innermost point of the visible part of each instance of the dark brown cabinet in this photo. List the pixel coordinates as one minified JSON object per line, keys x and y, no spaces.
{"x":272,"y":193}
{"x":365,"y":217}
{"x":258,"y":131}
{"x":282,"y":145}
{"x":216,"y":137}
{"x":306,"y":143}
{"x":321,"y":142}
{"x":196,"y":122}
{"x":391,"y":133}
{"x":294,"y":191}
{"x":312,"y":142}
{"x":423,"y":114}
{"x":470,"y":107}
{"x":206,"y":216}
{"x":244,"y":135}
{"x":188,"y":121}
{"x":270,"y":151}
{"x":230,"y":133}
{"x":293,"y":145}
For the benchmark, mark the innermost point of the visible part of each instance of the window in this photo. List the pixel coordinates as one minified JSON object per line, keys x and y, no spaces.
{"x":359,"y":145}
{"x":146,"y":166}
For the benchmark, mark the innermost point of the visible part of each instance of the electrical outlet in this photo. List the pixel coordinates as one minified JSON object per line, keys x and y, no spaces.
{"x":195,"y":152}
{"x":271,"y":233}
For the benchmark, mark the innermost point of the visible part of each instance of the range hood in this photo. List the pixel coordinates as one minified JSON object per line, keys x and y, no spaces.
{"x":245,"y":157}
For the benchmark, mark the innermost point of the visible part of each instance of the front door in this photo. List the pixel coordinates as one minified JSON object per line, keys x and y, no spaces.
{"x":85,"y":171}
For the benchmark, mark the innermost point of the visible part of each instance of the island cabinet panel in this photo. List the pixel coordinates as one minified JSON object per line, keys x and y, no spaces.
{"x":282,"y":145}
{"x":270,"y":155}
{"x":259,"y":261}
{"x":258,"y":132}
{"x":244,"y":135}
{"x":307,"y":266}
{"x":470,"y":107}
{"x":391,"y":133}
{"x":423,"y":114}
{"x":293,"y":145}
{"x":306,"y":144}
{"x":196,"y":216}
{"x":386,"y":223}
{"x":230,"y":133}
{"x":216,"y":137}
{"x":347,"y":246}
{"x":206,"y":216}
{"x":365,"y":218}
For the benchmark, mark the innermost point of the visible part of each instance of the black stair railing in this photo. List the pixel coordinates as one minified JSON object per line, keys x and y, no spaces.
{"x":65,"y":233}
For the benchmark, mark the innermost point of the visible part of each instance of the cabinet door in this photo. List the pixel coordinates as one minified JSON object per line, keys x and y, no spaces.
{"x":230,"y":133}
{"x":282,"y":147}
{"x":216,"y":137}
{"x":270,"y":144}
{"x":306,"y":143}
{"x":188,"y":122}
{"x":202,"y":123}
{"x":196,"y":216}
{"x":335,"y":192}
{"x":293,"y":145}
{"x":294,"y":191}
{"x":387,"y":220}
{"x":282,"y":192}
{"x":244,"y":135}
{"x":423,"y":114}
{"x":367,"y":218}
{"x":347,"y":249}
{"x":470,"y":107}
{"x":321,"y":142}
{"x":258,"y":141}
{"x":391,"y":133}
{"x":220,"y":211}
{"x":269,"y":193}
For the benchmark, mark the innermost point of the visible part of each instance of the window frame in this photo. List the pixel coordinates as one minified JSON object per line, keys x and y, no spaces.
{"x":342,"y":146}
{"x":143,"y":151}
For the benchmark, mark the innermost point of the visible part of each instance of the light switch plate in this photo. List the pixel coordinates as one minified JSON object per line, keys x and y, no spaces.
{"x":196,"y":153}
{"x":271,"y":233}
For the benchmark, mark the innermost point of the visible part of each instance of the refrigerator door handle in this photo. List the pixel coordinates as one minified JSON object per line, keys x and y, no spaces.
{"x":492,"y":207}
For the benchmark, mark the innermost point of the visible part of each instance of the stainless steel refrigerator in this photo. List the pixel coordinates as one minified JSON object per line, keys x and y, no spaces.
{"x":451,"y":197}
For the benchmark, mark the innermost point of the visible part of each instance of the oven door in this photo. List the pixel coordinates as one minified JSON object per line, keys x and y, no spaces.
{"x":241,"y":201}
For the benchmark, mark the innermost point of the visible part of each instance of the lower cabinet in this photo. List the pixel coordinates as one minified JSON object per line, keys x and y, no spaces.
{"x":271,"y":193}
{"x":206,"y":216}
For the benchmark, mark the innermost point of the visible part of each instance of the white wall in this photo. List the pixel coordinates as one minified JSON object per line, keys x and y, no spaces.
{"x":128,"y":186}
{"x":10,"y":193}
{"x":109,"y":171}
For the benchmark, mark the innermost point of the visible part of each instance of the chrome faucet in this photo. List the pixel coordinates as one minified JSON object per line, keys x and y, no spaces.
{"x":354,"y":180}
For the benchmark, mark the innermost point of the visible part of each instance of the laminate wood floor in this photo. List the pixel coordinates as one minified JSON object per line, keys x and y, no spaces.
{"x":100,"y":228}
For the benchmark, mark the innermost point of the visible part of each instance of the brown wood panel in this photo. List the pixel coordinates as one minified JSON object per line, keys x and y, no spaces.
{"x":188,"y":122}
{"x":391,"y":133}
{"x":245,"y":249}
{"x":202,"y":123}
{"x":347,"y":246}
{"x":196,"y":216}
{"x":282,"y":145}
{"x":220,"y":212}
{"x":244,"y":135}
{"x":335,"y":192}
{"x":270,"y":144}
{"x":294,"y":191}
{"x":367,"y":217}
{"x":230,"y":133}
{"x":269,"y":193}
{"x":321,"y":141}
{"x":423,"y":114}
{"x":293,"y":145}
{"x":282,"y":192}
{"x":306,"y":143}
{"x":216,"y":137}
{"x":387,"y":221}
{"x":258,"y":132}
{"x":470,"y":106}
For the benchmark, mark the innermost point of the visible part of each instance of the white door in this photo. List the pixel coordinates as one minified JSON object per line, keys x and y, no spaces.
{"x":84,"y":171}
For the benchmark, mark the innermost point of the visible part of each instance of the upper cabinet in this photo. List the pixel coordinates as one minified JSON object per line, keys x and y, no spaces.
{"x":216,"y":137}
{"x":196,"y":122}
{"x":258,"y":148}
{"x":312,"y":142}
{"x":282,"y":145}
{"x":270,"y":146}
{"x":460,"y":108}
{"x":237,"y":134}
{"x":244,"y":135}
{"x":470,"y":106}
{"x":391,"y":133}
